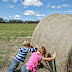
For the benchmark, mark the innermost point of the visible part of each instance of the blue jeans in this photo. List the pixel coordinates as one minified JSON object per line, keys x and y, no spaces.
{"x":23,"y":69}
{"x":14,"y":65}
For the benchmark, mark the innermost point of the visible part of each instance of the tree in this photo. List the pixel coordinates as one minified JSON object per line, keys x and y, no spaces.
{"x":10,"y":21}
{"x":1,"y":20}
{"x":19,"y":21}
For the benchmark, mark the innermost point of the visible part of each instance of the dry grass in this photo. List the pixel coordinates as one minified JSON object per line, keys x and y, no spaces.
{"x":11,"y":39}
{"x":9,"y":49}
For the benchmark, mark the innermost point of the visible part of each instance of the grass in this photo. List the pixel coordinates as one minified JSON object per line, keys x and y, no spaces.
{"x":3,"y":54}
{"x":9,"y":41}
{"x":8,"y":31}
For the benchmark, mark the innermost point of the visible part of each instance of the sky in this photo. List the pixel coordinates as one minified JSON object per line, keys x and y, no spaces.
{"x":33,"y":9}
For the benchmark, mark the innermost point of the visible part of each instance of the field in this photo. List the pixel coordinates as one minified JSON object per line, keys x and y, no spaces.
{"x":11,"y":39}
{"x":8,"y":31}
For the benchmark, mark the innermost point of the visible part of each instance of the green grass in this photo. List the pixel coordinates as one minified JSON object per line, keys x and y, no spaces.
{"x":9,"y":41}
{"x":8,"y":31}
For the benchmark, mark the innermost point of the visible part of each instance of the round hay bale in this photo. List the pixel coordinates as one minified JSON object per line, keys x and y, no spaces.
{"x":55,"y":33}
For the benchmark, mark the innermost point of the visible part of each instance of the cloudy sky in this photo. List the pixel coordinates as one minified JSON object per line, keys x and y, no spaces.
{"x":33,"y":9}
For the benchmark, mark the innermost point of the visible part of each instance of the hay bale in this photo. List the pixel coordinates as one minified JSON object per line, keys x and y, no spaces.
{"x":55,"y":33}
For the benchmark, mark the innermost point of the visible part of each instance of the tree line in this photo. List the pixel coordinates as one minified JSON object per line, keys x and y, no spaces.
{"x":16,"y":21}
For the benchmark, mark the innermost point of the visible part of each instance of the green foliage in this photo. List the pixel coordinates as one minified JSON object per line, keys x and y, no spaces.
{"x":16,"y":21}
{"x":1,"y":20}
{"x":8,"y":31}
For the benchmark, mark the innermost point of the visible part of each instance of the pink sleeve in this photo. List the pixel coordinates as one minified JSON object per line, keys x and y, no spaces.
{"x":40,"y":57}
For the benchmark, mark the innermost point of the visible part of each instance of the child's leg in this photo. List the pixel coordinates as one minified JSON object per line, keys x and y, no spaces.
{"x":23,"y":69}
{"x":13,"y":66}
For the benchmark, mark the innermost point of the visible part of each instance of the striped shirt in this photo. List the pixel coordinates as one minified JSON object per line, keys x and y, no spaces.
{"x":22,"y":53}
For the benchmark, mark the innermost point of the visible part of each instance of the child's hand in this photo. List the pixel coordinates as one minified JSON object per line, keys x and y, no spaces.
{"x":37,"y":47}
{"x":30,"y":44}
{"x":54,"y":55}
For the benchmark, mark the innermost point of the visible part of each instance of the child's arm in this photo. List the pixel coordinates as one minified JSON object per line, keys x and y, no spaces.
{"x":49,"y":59}
{"x":32,"y":49}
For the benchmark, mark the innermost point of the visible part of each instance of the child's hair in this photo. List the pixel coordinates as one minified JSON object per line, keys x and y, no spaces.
{"x":42,"y":49}
{"x":26,"y":43}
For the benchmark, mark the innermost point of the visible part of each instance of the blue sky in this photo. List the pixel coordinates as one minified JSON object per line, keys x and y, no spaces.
{"x":33,"y":9}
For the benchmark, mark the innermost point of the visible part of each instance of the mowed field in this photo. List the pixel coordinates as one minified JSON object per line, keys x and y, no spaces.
{"x":11,"y":39}
{"x":8,"y":31}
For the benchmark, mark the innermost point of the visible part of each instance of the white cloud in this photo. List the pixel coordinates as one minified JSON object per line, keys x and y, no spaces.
{"x":49,"y":5}
{"x":60,"y":6}
{"x":32,"y":3}
{"x":29,"y":12}
{"x":56,"y":6}
{"x":5,"y":0}
{"x":15,"y":16}
{"x":11,"y":6}
{"x":40,"y":15}
{"x":68,"y":11}
{"x":53,"y":6}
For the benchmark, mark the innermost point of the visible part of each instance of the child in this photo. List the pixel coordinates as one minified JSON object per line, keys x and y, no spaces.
{"x":20,"y":57}
{"x":35,"y":59}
